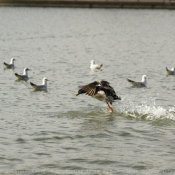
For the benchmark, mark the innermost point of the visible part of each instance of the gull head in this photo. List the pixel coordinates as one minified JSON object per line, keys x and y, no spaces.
{"x":92,"y":62}
{"x":12,"y":60}
{"x":45,"y":79}
{"x":26,"y":69}
{"x":144,"y":77}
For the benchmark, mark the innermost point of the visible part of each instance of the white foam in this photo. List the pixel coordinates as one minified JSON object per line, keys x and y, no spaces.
{"x":146,"y":109}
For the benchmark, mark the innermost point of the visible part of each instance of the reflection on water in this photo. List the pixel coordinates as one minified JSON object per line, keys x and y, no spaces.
{"x":54,"y":131}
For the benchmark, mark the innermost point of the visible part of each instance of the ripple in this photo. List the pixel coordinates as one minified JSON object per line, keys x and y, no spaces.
{"x":140,"y":167}
{"x":103,"y":162}
{"x":52,"y":138}
{"x":125,"y":134}
{"x":20,"y":140}
{"x":42,"y":154}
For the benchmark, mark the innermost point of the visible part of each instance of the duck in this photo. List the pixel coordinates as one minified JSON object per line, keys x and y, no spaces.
{"x":100,"y":90}
{"x":11,"y":64}
{"x":24,"y":76}
{"x":142,"y":83}
{"x":95,"y":66}
{"x":170,"y":71}
{"x":42,"y":87}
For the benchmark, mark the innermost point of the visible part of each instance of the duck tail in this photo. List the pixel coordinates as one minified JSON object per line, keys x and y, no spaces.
{"x":117,"y":98}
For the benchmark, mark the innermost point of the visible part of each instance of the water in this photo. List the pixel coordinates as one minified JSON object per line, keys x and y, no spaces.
{"x":59,"y":133}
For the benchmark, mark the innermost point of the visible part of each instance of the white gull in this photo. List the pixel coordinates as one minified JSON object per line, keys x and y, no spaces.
{"x":10,"y":65}
{"x":142,"y":83}
{"x":95,"y":66}
{"x":24,"y":76}
{"x":170,"y":71}
{"x":41,"y":87}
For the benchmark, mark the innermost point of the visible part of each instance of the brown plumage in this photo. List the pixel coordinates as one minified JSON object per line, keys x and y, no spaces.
{"x":101,"y":90}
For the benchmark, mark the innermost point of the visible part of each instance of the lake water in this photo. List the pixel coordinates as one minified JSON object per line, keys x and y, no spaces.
{"x":58,"y":133}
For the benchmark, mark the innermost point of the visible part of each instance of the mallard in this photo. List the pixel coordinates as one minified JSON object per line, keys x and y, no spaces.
{"x":101,"y":90}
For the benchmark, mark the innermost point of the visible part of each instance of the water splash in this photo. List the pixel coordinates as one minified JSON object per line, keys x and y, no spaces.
{"x":146,"y":109}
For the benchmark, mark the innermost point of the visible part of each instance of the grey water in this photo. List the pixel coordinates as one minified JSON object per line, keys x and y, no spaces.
{"x":55,"y":132}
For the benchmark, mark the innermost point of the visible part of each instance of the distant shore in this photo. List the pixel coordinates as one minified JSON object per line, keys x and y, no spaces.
{"x":129,"y":4}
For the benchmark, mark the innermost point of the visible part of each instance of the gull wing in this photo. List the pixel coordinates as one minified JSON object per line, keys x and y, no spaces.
{"x":134,"y":83}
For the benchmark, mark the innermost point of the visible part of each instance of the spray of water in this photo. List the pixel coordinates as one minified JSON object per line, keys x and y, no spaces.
{"x":146,"y":109}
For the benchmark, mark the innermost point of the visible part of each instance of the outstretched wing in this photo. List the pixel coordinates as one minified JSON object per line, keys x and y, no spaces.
{"x":90,"y":89}
{"x":105,"y":84}
{"x":109,"y":91}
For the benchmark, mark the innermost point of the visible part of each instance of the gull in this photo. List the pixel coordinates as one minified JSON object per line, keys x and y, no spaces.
{"x":100,"y":90}
{"x":170,"y":71}
{"x":41,"y":87}
{"x":10,"y":65}
{"x":142,"y":83}
{"x":24,"y":76}
{"x":95,"y":66}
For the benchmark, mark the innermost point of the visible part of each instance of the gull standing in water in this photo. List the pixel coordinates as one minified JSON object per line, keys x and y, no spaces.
{"x":95,"y":66}
{"x":11,"y":64}
{"x":41,"y":87}
{"x":24,"y":76}
{"x":142,"y":83}
{"x":170,"y":71}
{"x":101,"y":90}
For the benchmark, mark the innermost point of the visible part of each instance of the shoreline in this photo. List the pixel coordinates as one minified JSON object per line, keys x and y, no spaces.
{"x":127,"y":4}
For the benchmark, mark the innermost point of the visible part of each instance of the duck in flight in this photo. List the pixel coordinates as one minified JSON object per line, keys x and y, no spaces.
{"x":42,"y":87}
{"x":24,"y":76}
{"x":95,"y":66}
{"x":142,"y":83}
{"x":101,"y":90}
{"x":11,"y":64}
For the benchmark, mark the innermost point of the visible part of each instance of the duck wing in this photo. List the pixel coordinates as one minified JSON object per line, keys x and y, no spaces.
{"x":90,"y":89}
{"x":109,"y":91}
{"x":106,"y":87}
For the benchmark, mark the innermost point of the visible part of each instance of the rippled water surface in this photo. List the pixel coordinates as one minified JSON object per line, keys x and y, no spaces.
{"x":59,"y":133}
